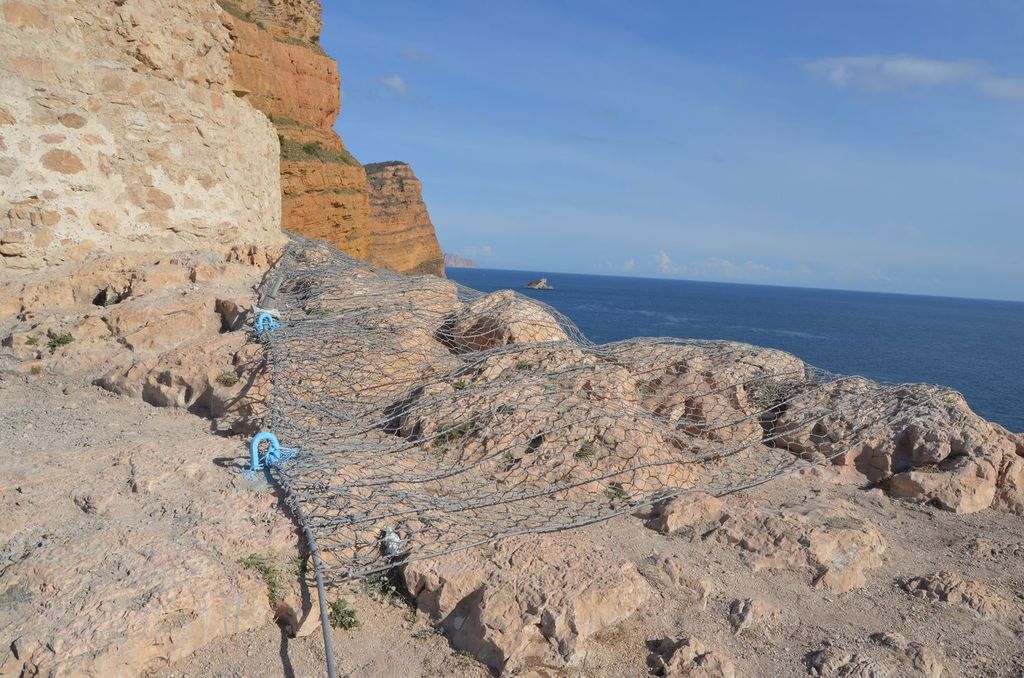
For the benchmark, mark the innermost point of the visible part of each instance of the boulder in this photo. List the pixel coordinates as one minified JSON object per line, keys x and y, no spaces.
{"x":950,"y":587}
{"x":499,"y":319}
{"x":688,"y":658}
{"x":832,"y":541}
{"x":527,"y":600}
{"x":922,"y":442}
{"x":693,"y":513}
{"x":745,"y":613}
{"x":831,"y":662}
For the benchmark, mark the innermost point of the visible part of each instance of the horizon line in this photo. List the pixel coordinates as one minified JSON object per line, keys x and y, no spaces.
{"x":748,"y":284}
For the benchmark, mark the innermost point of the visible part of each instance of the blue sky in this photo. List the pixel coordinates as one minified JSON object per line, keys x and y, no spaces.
{"x":873,"y":145}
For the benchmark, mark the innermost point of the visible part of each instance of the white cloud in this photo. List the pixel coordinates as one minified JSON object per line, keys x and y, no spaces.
{"x":629,"y":264}
{"x":396,"y":85}
{"x":663,"y":263}
{"x":905,"y":72}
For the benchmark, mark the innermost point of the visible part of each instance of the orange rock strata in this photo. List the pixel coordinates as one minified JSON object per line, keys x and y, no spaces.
{"x":279,"y":67}
{"x":403,"y":235}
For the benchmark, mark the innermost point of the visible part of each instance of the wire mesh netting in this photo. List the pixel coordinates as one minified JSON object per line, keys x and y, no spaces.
{"x":430,"y":418}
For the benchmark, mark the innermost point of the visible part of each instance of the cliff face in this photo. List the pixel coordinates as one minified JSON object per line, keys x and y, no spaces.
{"x":119,"y":131}
{"x":403,"y":235}
{"x":279,"y":67}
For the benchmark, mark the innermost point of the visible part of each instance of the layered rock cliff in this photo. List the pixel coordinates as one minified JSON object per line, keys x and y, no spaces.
{"x":280,"y":69}
{"x":403,"y":235}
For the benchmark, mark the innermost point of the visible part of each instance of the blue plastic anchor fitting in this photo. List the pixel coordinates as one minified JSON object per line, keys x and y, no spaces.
{"x":264,"y":323}
{"x":274,"y":455}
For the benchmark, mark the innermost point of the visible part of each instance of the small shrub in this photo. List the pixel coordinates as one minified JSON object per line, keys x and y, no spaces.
{"x":616,"y":493}
{"x":586,"y":450}
{"x":264,"y":567}
{"x":384,"y":587}
{"x":58,"y":340}
{"x":227,"y":379}
{"x":293,"y":150}
{"x":453,"y":432}
{"x":31,"y":340}
{"x":300,"y":566}
{"x":524,"y":366}
{"x":36,"y":370}
{"x":234,"y":10}
{"x":460,"y":384}
{"x":342,"y":616}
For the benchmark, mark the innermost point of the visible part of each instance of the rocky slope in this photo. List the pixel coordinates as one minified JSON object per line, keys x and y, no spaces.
{"x":279,"y":67}
{"x":139,"y":197}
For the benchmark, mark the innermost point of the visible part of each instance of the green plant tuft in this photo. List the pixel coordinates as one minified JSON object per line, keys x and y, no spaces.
{"x":227,"y":378}
{"x":31,"y":340}
{"x":616,"y":493}
{"x":586,"y":450}
{"x":453,"y":432}
{"x":460,"y":384}
{"x":293,"y":150}
{"x":386,"y":587}
{"x":58,"y":340}
{"x":300,"y":566}
{"x":271,"y":576}
{"x":342,"y":616}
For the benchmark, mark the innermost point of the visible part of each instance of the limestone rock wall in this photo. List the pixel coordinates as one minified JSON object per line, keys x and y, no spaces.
{"x":119,"y":131}
{"x":279,"y":67}
{"x":403,"y":235}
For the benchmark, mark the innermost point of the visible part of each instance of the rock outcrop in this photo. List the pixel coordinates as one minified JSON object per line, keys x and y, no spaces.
{"x":374,"y":213}
{"x":944,"y":455}
{"x":688,"y":658}
{"x":834,"y":543}
{"x":529,"y":601}
{"x":950,"y":587}
{"x":169,"y":330}
{"x":119,"y":131}
{"x":402,"y":234}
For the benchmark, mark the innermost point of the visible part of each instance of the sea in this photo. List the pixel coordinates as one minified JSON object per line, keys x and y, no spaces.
{"x":974,"y":346}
